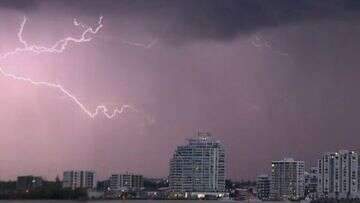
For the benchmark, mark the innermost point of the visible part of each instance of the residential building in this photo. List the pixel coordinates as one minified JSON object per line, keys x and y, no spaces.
{"x":338,"y":175}
{"x":241,"y":194}
{"x":126,"y":182}
{"x":79,"y":179}
{"x":198,"y":166}
{"x":311,"y":181}
{"x":287,"y":179}
{"x":263,"y":187}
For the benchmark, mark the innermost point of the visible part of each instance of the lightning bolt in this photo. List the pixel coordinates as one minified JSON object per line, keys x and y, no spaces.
{"x":260,"y":42}
{"x":99,"y":108}
{"x":59,"y":47}
{"x":142,"y":45}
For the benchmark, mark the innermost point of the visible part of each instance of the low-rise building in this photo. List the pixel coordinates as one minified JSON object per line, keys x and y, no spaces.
{"x":263,"y":187}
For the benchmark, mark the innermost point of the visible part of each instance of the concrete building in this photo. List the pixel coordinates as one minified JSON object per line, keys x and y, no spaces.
{"x":338,"y":175}
{"x":241,"y":194}
{"x":198,"y":166}
{"x":287,"y":179}
{"x":27,"y":183}
{"x":126,"y":182}
{"x":79,"y":179}
{"x":311,"y":181}
{"x":263,"y":187}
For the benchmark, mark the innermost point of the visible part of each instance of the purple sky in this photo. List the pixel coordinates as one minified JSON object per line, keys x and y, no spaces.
{"x":267,"y":89}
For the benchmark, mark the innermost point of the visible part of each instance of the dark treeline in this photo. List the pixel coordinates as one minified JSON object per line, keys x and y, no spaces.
{"x":7,"y":186}
{"x":49,"y":190}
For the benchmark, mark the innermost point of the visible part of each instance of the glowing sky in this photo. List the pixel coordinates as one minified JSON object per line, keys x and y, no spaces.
{"x":270,"y":80}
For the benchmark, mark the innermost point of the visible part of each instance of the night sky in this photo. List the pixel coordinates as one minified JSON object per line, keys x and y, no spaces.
{"x":270,"y":79}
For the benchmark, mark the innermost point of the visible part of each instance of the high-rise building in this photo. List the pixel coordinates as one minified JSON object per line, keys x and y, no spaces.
{"x":79,"y":179}
{"x":287,"y":179}
{"x":126,"y":182}
{"x":311,"y":181}
{"x":338,"y":175}
{"x":26,"y":183}
{"x":198,"y":166}
{"x":263,"y":187}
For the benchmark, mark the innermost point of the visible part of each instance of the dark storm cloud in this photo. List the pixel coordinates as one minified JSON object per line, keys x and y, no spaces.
{"x":18,"y":4}
{"x":219,"y":19}
{"x":190,"y":20}
{"x":298,"y":88}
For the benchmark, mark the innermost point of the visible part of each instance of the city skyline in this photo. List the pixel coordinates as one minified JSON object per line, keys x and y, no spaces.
{"x":270,"y":80}
{"x":198,"y":140}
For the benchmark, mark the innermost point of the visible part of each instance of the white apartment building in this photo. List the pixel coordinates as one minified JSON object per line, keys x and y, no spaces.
{"x":287,"y":179}
{"x":79,"y":179}
{"x":338,"y":175}
{"x":126,"y":182}
{"x":198,"y":166}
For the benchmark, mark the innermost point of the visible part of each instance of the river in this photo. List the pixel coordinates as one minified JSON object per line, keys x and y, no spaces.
{"x":128,"y":201}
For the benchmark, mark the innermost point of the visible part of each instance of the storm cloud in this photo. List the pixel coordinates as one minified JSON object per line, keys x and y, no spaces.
{"x":279,"y":77}
{"x":190,"y":20}
{"x":24,"y":5}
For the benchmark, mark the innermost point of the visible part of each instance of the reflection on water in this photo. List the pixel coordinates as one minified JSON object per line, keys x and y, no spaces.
{"x":129,"y":201}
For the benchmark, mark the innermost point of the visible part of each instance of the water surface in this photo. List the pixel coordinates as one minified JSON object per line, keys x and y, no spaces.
{"x":129,"y":201}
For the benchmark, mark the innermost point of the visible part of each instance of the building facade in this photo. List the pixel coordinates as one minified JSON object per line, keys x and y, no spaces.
{"x":126,"y":182}
{"x":287,"y":179}
{"x":338,"y":175}
{"x":263,"y":187}
{"x":311,"y":182}
{"x":198,"y":166}
{"x":79,"y":179}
